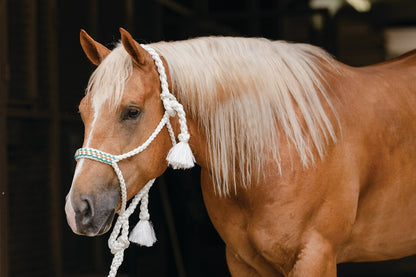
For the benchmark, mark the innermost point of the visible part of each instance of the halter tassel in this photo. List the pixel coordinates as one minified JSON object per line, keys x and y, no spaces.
{"x":143,"y":233}
{"x":180,"y":155}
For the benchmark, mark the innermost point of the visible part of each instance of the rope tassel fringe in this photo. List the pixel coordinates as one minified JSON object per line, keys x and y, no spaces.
{"x":180,"y":156}
{"x":143,"y":234}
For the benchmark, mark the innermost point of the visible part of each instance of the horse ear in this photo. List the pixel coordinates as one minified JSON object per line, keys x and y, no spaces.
{"x":95,"y":51}
{"x":137,"y":53}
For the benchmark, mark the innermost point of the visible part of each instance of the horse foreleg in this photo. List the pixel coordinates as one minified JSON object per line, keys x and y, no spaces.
{"x":316,"y":258}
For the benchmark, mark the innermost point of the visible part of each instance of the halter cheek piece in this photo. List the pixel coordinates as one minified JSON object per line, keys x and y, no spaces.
{"x":180,"y":157}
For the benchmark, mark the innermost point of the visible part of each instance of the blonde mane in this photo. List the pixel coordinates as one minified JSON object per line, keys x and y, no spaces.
{"x":244,"y":93}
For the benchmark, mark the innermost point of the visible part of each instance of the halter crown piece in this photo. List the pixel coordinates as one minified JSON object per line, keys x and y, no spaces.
{"x":179,"y":157}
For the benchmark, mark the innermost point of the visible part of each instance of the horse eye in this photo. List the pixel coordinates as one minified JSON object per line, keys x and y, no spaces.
{"x":130,"y":114}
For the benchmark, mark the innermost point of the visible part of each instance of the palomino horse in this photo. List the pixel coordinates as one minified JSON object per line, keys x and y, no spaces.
{"x":305,"y":162}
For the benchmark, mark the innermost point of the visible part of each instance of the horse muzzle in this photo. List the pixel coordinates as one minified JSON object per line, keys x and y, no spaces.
{"x":89,"y":214}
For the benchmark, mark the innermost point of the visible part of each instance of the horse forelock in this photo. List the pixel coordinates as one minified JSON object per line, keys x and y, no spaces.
{"x":245,"y":92}
{"x":107,"y":83}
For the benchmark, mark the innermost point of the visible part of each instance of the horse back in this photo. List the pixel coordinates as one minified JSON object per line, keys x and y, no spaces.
{"x":406,"y":59}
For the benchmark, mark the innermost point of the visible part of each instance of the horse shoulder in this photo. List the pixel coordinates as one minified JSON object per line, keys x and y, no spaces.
{"x":231,"y":219}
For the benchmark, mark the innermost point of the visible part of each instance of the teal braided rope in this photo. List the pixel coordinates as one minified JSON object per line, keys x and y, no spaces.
{"x":94,"y":154}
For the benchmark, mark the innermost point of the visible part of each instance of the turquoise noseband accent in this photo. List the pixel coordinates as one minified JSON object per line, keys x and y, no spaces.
{"x":95,"y":154}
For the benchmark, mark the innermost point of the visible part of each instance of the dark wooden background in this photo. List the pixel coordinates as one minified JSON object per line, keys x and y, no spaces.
{"x":43,"y":74}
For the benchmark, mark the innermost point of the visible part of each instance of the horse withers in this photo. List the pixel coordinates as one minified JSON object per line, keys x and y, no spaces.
{"x":305,"y":162}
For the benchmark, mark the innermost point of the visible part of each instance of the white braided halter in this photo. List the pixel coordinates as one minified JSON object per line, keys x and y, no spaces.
{"x":180,"y":157}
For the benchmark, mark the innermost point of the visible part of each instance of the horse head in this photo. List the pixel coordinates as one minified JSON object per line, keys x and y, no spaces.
{"x":121,"y":109}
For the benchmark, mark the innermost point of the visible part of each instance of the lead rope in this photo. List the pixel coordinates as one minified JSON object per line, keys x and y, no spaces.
{"x":179,"y":157}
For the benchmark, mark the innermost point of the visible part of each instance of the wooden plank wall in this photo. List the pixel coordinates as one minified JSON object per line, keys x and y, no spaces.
{"x":4,"y":84}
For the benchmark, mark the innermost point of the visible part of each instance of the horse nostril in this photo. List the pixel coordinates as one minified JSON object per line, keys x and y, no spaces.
{"x":93,"y":214}
{"x":86,"y":210}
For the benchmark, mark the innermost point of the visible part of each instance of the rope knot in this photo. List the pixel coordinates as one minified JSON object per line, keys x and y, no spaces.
{"x":184,"y":137}
{"x":144,"y":216}
{"x":170,"y":107}
{"x":170,"y":103}
{"x":119,"y":245}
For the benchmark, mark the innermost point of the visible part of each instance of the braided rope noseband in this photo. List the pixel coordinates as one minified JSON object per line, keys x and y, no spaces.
{"x":180,"y":156}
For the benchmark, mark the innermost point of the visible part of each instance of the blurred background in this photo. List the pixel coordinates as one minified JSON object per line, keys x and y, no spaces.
{"x":43,"y":74}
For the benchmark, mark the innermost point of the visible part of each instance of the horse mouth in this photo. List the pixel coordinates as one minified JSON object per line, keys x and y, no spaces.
{"x":107,"y":224}
{"x":94,"y":228}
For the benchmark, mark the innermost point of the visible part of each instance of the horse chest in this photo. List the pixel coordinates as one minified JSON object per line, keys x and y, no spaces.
{"x":261,"y":248}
